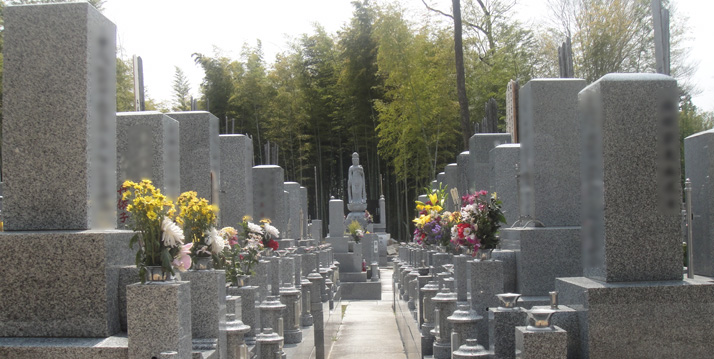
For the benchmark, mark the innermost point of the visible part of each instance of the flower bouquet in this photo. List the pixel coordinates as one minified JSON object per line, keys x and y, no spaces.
{"x":270,"y":234}
{"x":355,"y":231}
{"x":161,"y":247}
{"x":480,"y":218}
{"x":243,"y":250}
{"x":198,"y":219}
{"x":433,"y":223}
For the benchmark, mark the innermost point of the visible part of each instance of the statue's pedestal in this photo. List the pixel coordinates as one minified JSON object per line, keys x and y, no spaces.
{"x":356,"y":216}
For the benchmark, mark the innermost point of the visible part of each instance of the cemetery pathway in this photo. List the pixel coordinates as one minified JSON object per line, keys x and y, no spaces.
{"x":369,"y":328}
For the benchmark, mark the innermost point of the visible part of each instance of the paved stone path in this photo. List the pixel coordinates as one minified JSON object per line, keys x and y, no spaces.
{"x":369,"y":328}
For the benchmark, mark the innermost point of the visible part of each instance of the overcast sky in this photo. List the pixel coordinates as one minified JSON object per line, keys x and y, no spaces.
{"x":166,"y":32}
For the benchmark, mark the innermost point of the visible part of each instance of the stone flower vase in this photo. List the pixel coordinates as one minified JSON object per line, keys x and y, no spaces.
{"x":484,"y":254}
{"x":202,"y":263}
{"x":156,"y":275}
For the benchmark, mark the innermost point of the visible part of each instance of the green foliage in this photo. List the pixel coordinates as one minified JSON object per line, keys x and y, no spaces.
{"x":181,"y":91}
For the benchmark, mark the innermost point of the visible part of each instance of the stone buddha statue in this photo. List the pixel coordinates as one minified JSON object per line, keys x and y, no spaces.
{"x":356,"y":194}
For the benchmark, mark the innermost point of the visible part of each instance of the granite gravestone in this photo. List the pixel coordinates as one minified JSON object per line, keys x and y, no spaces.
{"x":633,"y":293}
{"x":200,"y":154}
{"x":236,"y":178}
{"x":480,"y":145}
{"x":59,"y":71}
{"x":465,"y":175}
{"x":504,"y":179}
{"x":293,"y":217}
{"x":267,"y":192}
{"x":698,"y":151}
{"x":147,"y":148}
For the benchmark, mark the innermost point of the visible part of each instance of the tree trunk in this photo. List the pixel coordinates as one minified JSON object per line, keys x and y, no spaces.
{"x":460,"y":77}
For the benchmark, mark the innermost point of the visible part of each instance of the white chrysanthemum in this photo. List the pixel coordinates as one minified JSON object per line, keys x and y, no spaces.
{"x":254,"y":228}
{"x":271,"y":231}
{"x":215,"y":241}
{"x":172,"y":234}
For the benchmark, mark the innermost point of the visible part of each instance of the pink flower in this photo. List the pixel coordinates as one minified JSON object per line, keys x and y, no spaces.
{"x":482,"y":193}
{"x":183,"y":260}
{"x":233,"y":241}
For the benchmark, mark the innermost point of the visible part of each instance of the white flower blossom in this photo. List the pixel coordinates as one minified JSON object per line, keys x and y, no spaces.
{"x":271,"y":231}
{"x":215,"y":241}
{"x":172,"y":235}
{"x":254,"y":228}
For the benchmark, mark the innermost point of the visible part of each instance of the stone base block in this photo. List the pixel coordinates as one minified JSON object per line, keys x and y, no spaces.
{"x":502,"y":324}
{"x":305,"y":321}
{"x":357,"y":291}
{"x":208,"y":305}
{"x":427,"y":345}
{"x":542,"y":344}
{"x":62,"y":283}
{"x":567,"y":319}
{"x":353,"y":277}
{"x":339,"y":244}
{"x":349,"y":262}
{"x":631,"y":320}
{"x":285,"y":243}
{"x":157,"y":319}
{"x":441,"y":351}
{"x":486,"y":282}
{"x":293,"y":336}
{"x":546,"y":254}
{"x":508,"y":257}
{"x":115,"y":347}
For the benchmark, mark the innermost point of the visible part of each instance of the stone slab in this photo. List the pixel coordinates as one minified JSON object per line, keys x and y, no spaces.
{"x":699,"y":162}
{"x":59,"y":118}
{"x":157,"y":320}
{"x":361,"y":290}
{"x":349,"y":262}
{"x":504,"y":161}
{"x":236,"y":178}
{"x":549,"y":133}
{"x":626,"y":320}
{"x":208,"y":305}
{"x":336,"y":225}
{"x":632,"y":194}
{"x":294,"y":208}
{"x":465,"y":174}
{"x":486,"y":282}
{"x":268,"y":192}
{"x":502,"y":325}
{"x":63,"y":293}
{"x":480,"y":145}
{"x":546,"y":254}
{"x":339,"y":244}
{"x":540,"y":344}
{"x":452,"y":181}
{"x":304,"y":214}
{"x":353,"y":277}
{"x":114,"y":347}
{"x":316,"y":230}
{"x":508,"y":257}
{"x":200,"y":153}
{"x":147,"y":148}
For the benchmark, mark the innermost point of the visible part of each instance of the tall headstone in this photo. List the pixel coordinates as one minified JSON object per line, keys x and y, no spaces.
{"x":512,"y":110}
{"x":303,"y":212}
{"x":480,"y":145}
{"x":699,"y":162}
{"x":452,"y":181}
{"x":633,"y":293}
{"x":147,"y":147}
{"x":548,"y":230}
{"x":465,"y":174}
{"x":489,"y":124}
{"x":441,"y":179}
{"x":293,"y":227}
{"x":550,"y":151}
{"x":200,"y":154}
{"x":59,"y":119}
{"x":268,"y":192}
{"x":336,"y":226}
{"x":236,"y":178}
{"x":60,"y":274}
{"x":504,"y":178}
{"x":565,"y":59}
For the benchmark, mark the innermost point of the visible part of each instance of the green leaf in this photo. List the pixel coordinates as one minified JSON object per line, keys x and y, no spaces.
{"x":134,"y":239}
